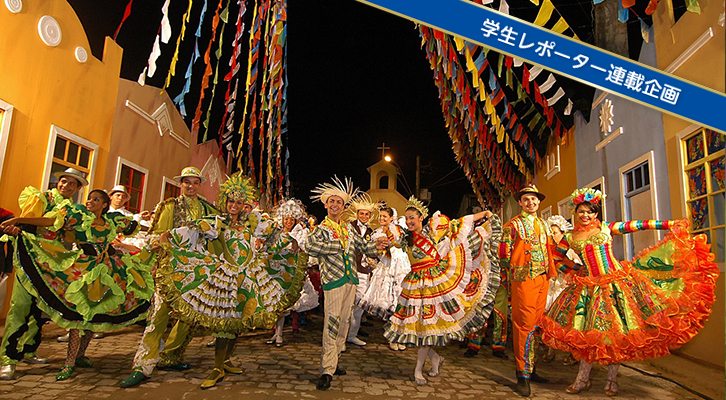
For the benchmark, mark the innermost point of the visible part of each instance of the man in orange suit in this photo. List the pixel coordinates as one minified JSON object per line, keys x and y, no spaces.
{"x":525,"y":253}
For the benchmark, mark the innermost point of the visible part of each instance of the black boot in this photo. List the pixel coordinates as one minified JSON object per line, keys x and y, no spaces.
{"x":536,"y":378}
{"x":324,"y":382}
{"x":523,"y":387}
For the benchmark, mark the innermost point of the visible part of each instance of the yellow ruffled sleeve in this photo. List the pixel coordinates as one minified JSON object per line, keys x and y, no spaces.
{"x":32,"y":203}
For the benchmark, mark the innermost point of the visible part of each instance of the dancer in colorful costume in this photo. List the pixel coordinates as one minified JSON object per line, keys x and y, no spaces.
{"x":334,"y":243}
{"x":450,"y":290}
{"x":170,"y":213}
{"x":211,"y":277}
{"x":525,"y":253}
{"x":618,"y":311}
{"x":22,"y":333}
{"x":93,"y":289}
{"x":499,"y":314}
{"x":381,"y":297}
{"x":287,"y":215}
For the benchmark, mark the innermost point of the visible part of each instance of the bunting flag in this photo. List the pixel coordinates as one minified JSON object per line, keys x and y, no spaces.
{"x":500,"y":113}
{"x":252,"y":132}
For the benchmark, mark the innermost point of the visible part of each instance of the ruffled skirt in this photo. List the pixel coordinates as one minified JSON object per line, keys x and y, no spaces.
{"x":381,"y":297}
{"x":653,"y":305}
{"x":101,"y":293}
{"x":445,"y":300}
{"x":207,"y":291}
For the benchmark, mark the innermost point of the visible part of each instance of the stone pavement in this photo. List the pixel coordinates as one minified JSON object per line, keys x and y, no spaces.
{"x":373,"y":372}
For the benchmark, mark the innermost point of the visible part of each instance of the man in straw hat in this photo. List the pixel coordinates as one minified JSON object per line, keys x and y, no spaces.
{"x":170,"y":213}
{"x":365,"y":210}
{"x":23,"y":323}
{"x":525,"y":252}
{"x":334,"y":242}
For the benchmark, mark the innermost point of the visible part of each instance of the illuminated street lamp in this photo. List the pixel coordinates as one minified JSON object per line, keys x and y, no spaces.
{"x":400,"y":172}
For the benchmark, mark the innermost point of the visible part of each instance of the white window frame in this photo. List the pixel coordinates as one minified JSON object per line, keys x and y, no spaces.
{"x":683,"y":176}
{"x":54,"y":132}
{"x":164,"y":181}
{"x":7,"y":117}
{"x":682,"y":165}
{"x":565,"y":203}
{"x":546,"y":213}
{"x":553,"y":163}
{"x":649,"y":158}
{"x":117,"y":180}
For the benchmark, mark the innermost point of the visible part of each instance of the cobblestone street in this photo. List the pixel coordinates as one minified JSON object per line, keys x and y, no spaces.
{"x":286,"y":372}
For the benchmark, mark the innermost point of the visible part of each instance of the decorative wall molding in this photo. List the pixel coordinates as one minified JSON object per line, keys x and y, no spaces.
{"x":609,"y":138}
{"x":81,"y":55}
{"x":161,"y":118}
{"x":691,"y":50}
{"x":49,"y":31}
{"x":14,"y":6}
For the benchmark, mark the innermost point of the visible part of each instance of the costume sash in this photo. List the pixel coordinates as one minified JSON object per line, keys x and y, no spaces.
{"x":426,"y":246}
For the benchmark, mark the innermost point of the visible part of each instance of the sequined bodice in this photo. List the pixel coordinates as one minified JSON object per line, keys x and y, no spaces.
{"x":596,"y":253}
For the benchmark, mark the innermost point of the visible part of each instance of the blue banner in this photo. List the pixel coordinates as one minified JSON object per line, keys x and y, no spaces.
{"x":569,"y":57}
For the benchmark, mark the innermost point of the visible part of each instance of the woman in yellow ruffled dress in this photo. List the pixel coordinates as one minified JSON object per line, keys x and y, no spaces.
{"x":92,"y":289}
{"x":213,"y":277}
{"x":616,"y":311}
{"x":450,"y":289}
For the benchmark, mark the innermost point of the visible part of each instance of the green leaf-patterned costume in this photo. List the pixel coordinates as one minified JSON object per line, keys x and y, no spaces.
{"x":92,"y":288}
{"x":212,"y":277}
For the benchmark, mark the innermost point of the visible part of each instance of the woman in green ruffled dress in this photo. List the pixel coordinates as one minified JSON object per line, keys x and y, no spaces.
{"x":91,"y":288}
{"x":212,"y":276}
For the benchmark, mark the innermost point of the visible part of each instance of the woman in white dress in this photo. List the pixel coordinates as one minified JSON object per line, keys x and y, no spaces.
{"x":287,"y":215}
{"x":381,"y":297}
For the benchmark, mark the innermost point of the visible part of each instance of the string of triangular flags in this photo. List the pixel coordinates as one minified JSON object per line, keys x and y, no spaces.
{"x":500,"y":112}
{"x":252,"y":130}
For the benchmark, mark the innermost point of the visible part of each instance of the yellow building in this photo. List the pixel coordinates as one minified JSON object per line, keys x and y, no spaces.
{"x":556,"y":177}
{"x":384,"y":180}
{"x":61,"y":107}
{"x":692,"y":46}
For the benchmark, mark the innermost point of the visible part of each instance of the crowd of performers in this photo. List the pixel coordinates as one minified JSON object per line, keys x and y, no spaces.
{"x":229,"y":268}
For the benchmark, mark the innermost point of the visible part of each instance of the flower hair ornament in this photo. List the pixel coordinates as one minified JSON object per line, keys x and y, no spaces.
{"x":292,"y":208}
{"x":589,"y":195}
{"x":237,"y":187}
{"x":560,"y":221}
{"x":343,"y":189}
{"x":418,"y":205}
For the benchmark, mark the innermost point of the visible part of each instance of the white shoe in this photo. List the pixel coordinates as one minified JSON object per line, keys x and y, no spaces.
{"x":64,"y":339}
{"x":401,"y":347}
{"x":356,"y":342}
{"x":35,"y":360}
{"x":393,"y":346}
{"x":7,"y":372}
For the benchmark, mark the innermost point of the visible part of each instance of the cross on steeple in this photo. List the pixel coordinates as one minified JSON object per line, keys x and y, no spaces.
{"x":383,"y":149}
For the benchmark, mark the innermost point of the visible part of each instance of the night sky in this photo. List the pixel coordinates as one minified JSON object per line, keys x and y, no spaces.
{"x":357,"y":78}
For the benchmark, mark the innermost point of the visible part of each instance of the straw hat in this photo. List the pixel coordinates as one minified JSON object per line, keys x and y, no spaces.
{"x":73,"y":173}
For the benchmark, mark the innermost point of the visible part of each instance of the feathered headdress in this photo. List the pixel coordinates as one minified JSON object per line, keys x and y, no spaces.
{"x":343,"y":189}
{"x":589,"y":195}
{"x":293,"y":208}
{"x":361,"y":202}
{"x":418,"y":205}
{"x":564,"y":225}
{"x":237,"y":187}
